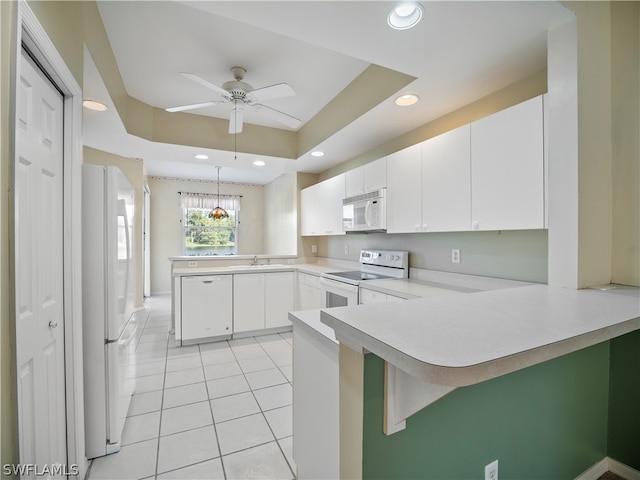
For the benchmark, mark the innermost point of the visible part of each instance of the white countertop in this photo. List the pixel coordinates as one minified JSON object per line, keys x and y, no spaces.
{"x":311,"y":319}
{"x":311,"y":268}
{"x":458,"y":340}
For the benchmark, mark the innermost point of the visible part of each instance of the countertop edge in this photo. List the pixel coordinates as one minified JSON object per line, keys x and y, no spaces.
{"x":457,"y":376}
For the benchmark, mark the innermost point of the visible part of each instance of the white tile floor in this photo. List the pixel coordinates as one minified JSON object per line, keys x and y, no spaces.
{"x":215,"y":411}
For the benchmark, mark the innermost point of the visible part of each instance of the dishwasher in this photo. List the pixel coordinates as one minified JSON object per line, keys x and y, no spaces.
{"x":207,"y":307}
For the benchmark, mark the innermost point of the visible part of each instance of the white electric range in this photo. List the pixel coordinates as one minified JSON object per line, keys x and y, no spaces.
{"x":341,"y":288}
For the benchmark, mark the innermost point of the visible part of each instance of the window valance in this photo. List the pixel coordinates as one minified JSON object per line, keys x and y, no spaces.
{"x":209,"y":200}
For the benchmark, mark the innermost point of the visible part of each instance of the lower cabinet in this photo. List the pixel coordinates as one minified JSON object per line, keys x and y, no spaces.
{"x":309,"y":293}
{"x":207,"y":306}
{"x":262,"y":300}
{"x":279,"y":299}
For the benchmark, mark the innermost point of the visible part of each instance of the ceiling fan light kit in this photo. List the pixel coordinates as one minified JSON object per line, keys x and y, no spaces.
{"x":242,"y":94}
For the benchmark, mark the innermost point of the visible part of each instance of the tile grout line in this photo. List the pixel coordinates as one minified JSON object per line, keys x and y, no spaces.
{"x":265,"y":417}
{"x":213,"y":418}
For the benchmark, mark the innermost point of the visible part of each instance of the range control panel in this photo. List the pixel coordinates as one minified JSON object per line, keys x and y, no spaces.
{"x":385,"y":258}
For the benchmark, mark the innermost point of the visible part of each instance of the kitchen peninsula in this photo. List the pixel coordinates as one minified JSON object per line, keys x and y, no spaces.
{"x":502,"y":373}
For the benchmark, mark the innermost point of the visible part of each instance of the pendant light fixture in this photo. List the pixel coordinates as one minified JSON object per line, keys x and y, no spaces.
{"x":218,"y":212}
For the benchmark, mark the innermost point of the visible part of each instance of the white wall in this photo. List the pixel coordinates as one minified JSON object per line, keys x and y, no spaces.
{"x":280,"y":216}
{"x":134,"y":170}
{"x":166,"y":226}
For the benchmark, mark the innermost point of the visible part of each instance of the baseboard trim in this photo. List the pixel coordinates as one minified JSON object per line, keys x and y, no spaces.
{"x":609,"y":465}
{"x":596,"y":471}
{"x":623,"y":470}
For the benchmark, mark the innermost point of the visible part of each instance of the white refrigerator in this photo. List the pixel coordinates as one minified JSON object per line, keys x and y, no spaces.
{"x":109,"y":326}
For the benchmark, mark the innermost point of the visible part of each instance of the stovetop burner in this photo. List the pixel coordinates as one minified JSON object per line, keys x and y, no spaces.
{"x":357,"y":275}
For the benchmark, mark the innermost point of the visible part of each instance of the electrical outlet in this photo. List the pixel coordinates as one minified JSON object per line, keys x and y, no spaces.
{"x":491,"y":471}
{"x":455,"y":255}
{"x":346,"y":249}
{"x":193,"y":264}
{"x":314,"y":248}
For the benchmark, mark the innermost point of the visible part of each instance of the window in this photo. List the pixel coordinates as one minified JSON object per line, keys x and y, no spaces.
{"x":204,"y":235}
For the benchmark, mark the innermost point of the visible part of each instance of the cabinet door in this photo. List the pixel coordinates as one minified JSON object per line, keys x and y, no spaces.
{"x":446,"y":182}
{"x":279,"y":298}
{"x":507,"y":181}
{"x":404,"y":185}
{"x":199,"y":295}
{"x":329,"y":205}
{"x":308,"y":217}
{"x":321,"y":207}
{"x":248,"y":302}
{"x":309,"y":294}
{"x":354,"y":182}
{"x":375,"y":175}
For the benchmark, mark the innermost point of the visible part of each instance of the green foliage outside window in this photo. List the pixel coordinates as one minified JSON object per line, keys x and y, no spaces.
{"x":207,"y":236}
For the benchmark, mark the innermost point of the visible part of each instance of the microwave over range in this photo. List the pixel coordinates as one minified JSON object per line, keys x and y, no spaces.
{"x":366,"y":212}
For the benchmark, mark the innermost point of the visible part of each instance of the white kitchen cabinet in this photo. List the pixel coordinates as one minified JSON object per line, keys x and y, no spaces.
{"x":279,"y":298}
{"x":309,"y":293}
{"x":507,"y":165}
{"x":366,"y":178}
{"x":321,"y":207}
{"x":206,"y":306}
{"x":446,"y":181}
{"x":262,"y":300}
{"x":248,"y":302}
{"x":308,"y":221}
{"x":404,"y":190}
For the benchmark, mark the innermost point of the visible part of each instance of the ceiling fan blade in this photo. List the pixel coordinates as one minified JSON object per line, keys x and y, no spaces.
{"x":236,"y":119}
{"x":281,"y":117}
{"x":279,"y":90}
{"x":192,"y":106}
{"x":205,"y":83}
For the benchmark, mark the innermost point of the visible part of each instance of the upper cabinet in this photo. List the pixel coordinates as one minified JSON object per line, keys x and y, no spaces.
{"x":446,"y":182}
{"x":404,"y":190}
{"x":507,"y":164}
{"x":321,"y":207}
{"x":487,"y":175}
{"x":366,"y":178}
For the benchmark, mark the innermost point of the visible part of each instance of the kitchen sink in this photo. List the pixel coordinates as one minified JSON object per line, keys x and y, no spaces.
{"x":257,"y":267}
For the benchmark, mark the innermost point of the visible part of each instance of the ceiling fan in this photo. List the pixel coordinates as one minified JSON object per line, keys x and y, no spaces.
{"x":241,"y":94}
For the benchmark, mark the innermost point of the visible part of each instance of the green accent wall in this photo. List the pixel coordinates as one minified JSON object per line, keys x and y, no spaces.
{"x":624,"y":400}
{"x":549,"y":421}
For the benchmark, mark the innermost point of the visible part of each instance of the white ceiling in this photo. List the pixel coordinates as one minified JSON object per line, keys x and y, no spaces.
{"x":460,"y":52}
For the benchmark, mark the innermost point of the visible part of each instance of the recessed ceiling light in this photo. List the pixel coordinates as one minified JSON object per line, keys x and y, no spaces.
{"x":317,"y":153}
{"x":405,"y":15}
{"x":201,"y":156}
{"x":93,"y":105}
{"x":259,"y":163}
{"x":406,"y":100}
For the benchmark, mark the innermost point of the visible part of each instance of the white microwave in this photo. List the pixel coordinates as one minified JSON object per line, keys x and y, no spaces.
{"x":366,"y":212}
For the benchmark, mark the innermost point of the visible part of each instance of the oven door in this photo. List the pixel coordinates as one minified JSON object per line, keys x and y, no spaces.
{"x":338,"y":294}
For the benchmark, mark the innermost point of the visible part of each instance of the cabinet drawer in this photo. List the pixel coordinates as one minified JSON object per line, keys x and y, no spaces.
{"x":307,"y":279}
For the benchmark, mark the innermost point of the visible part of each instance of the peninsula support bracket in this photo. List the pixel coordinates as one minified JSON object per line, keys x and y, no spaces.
{"x":405,"y":395}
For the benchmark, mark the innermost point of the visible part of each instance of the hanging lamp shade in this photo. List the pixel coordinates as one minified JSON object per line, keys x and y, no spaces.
{"x":218,"y":213}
